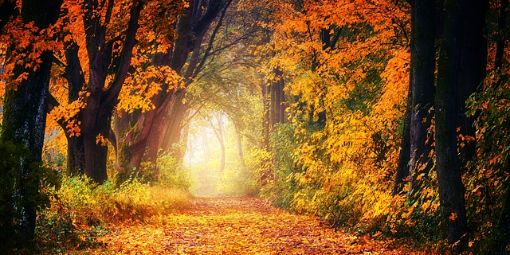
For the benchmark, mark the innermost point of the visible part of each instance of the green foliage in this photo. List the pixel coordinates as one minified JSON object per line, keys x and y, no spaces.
{"x":276,"y":168}
{"x":488,"y":176}
{"x":80,"y":210}
{"x":32,"y":184}
{"x":8,"y":165}
{"x":172,"y":173}
{"x":167,"y":171}
{"x":237,"y":181}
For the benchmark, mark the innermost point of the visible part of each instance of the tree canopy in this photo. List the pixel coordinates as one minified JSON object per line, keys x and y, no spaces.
{"x":389,"y":117}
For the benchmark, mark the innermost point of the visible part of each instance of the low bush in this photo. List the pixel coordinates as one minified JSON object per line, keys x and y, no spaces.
{"x":80,"y":210}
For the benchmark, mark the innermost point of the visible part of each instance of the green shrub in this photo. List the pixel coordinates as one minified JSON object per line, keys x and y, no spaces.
{"x":172,"y":173}
{"x":276,"y":169}
{"x":80,"y":210}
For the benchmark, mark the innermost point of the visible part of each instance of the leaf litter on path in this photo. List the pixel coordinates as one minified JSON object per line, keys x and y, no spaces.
{"x":238,"y":226}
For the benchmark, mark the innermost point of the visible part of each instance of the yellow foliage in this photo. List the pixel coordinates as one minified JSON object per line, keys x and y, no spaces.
{"x":347,"y":160}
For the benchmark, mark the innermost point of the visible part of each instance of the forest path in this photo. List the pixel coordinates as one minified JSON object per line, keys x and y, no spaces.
{"x":238,"y":226}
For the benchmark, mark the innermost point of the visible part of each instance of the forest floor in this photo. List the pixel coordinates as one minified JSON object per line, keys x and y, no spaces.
{"x":238,"y":226}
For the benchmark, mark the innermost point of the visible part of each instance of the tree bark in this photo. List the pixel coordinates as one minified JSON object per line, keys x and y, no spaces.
{"x":175,"y":121}
{"x":75,"y":156}
{"x":90,"y":151}
{"x":95,"y":123}
{"x":473,"y":57}
{"x":24,"y":121}
{"x":277,"y":102}
{"x":422,"y":85}
{"x":451,"y":188}
{"x":76,"y":81}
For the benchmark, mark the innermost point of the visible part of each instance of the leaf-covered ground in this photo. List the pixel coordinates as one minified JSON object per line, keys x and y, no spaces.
{"x":237,"y":226}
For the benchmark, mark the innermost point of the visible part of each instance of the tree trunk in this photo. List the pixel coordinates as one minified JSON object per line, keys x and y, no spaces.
{"x":95,"y":117}
{"x":75,"y":155}
{"x":277,"y":103}
{"x":422,"y":86}
{"x":451,"y":188}
{"x":222,"y":157}
{"x":404,"y":154}
{"x":473,"y":57}
{"x":219,"y":132}
{"x":133,"y":132}
{"x":167,"y":127}
{"x":24,"y":121}
{"x":174,"y":125}
{"x":185,"y":138}
{"x":95,"y":124}
{"x":76,"y":81}
{"x":240,"y":151}
{"x":266,"y":100}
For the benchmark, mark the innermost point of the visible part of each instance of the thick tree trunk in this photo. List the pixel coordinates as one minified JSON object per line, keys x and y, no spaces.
{"x":24,"y":120}
{"x":95,"y":117}
{"x":146,"y":134}
{"x":422,"y":86}
{"x":95,"y":124}
{"x":451,"y":188}
{"x":473,"y":45}
{"x":175,"y":122}
{"x":75,"y":155}
{"x":121,"y":126}
{"x":24,"y":123}
{"x":76,"y":81}
{"x":167,"y":127}
{"x":133,"y":141}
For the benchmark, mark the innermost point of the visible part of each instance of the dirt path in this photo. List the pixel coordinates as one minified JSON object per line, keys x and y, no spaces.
{"x":237,"y":226}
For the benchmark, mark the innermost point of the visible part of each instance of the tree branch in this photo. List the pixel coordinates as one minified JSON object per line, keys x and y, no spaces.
{"x":125,"y":55}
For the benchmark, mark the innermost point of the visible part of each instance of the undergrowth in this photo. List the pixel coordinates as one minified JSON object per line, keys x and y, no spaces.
{"x":81,"y":211}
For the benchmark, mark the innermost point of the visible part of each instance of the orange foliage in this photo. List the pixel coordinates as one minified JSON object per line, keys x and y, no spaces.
{"x":348,"y":61}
